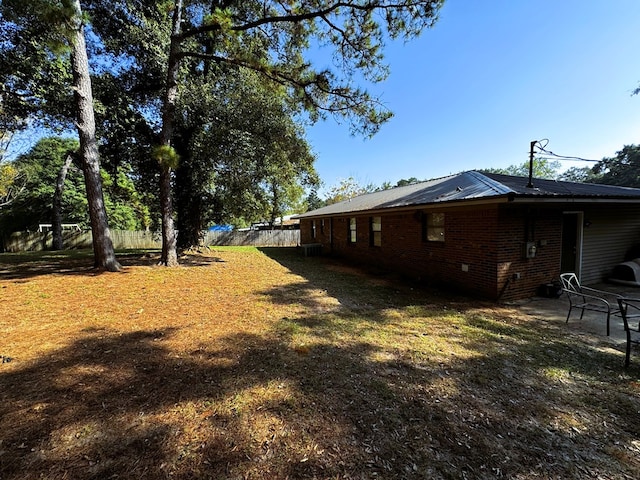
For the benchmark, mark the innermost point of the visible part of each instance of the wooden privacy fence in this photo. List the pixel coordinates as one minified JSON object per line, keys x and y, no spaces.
{"x":256,"y":238}
{"x":124,"y":239}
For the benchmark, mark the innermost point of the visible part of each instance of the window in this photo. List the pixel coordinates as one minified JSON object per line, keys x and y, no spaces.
{"x":375,"y":231}
{"x":322,"y":226}
{"x":313,"y":229}
{"x":352,"y":230}
{"x":433,"y":227}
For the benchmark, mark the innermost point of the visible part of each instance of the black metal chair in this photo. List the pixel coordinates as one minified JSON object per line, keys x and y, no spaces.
{"x":630,"y":311}
{"x":586,"y":298}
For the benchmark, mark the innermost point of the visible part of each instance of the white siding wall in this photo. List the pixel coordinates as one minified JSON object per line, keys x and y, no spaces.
{"x":611,"y":232}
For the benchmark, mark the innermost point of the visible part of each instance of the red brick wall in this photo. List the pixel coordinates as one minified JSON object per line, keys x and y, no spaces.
{"x":322,"y":233}
{"x":482,"y":251}
{"x":521,"y":224}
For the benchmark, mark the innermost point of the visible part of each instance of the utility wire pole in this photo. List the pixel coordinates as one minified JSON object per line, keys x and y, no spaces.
{"x":533,"y":144}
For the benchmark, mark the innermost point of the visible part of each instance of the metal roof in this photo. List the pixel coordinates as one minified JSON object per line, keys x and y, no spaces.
{"x":474,"y":186}
{"x":556,"y":188}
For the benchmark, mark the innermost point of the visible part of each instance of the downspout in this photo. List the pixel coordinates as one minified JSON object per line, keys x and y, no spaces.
{"x":504,"y":289}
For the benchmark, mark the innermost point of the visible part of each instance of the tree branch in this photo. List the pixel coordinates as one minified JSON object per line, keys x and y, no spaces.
{"x":289,"y":18}
{"x":352,"y":99}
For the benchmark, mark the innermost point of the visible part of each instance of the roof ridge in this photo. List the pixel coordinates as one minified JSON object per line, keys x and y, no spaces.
{"x":494,"y":185}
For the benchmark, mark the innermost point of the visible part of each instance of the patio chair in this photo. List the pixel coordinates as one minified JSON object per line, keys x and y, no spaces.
{"x":586,"y":298}
{"x":630,"y":310}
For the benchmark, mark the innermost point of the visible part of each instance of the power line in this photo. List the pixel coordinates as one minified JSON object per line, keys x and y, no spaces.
{"x":564,"y":157}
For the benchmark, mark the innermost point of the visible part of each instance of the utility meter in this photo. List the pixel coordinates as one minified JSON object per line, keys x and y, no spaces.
{"x":530,"y":250}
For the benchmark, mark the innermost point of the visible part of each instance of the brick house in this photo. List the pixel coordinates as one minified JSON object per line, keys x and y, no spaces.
{"x":491,"y":235}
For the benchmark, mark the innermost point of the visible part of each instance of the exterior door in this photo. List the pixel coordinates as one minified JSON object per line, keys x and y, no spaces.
{"x":570,"y":259}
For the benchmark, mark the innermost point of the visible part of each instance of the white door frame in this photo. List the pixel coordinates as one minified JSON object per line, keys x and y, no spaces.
{"x":579,"y":238}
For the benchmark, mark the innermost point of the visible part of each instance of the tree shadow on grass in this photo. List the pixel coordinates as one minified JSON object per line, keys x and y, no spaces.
{"x":352,"y":287}
{"x":126,"y":406}
{"x":356,"y":291}
{"x":115,"y":405}
{"x":110,"y":405}
{"x":527,"y":377}
{"x":515,"y":404}
{"x":25,"y":266}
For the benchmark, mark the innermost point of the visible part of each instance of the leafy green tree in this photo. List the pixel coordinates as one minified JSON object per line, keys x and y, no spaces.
{"x":580,"y":175}
{"x":155,"y":49}
{"x":542,"y":168}
{"x":58,"y":27}
{"x":11,"y":179}
{"x":35,"y":77}
{"x":20,"y":61}
{"x":41,"y":166}
{"x":313,"y":201}
{"x":242,"y":156}
{"x":125,"y":206}
{"x":126,"y":100}
{"x":403,"y":182}
{"x":271,"y":38}
{"x":345,"y":189}
{"x":203,"y":95}
{"x":286,"y":195}
{"x":623,"y":169}
{"x":10,"y":184}
{"x":126,"y":139}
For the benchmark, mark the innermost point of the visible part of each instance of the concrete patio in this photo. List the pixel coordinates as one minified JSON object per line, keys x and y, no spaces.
{"x":593,"y":324}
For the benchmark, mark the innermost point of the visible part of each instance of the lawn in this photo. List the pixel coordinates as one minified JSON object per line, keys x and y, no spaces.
{"x":261,"y":364}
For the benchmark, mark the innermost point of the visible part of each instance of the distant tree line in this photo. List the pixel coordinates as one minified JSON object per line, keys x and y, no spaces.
{"x":623,"y":169}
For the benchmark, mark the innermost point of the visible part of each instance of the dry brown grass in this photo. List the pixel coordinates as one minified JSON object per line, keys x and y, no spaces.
{"x":247,"y":364}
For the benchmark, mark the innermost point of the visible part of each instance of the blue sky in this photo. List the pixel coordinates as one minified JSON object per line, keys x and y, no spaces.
{"x":489,"y":78}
